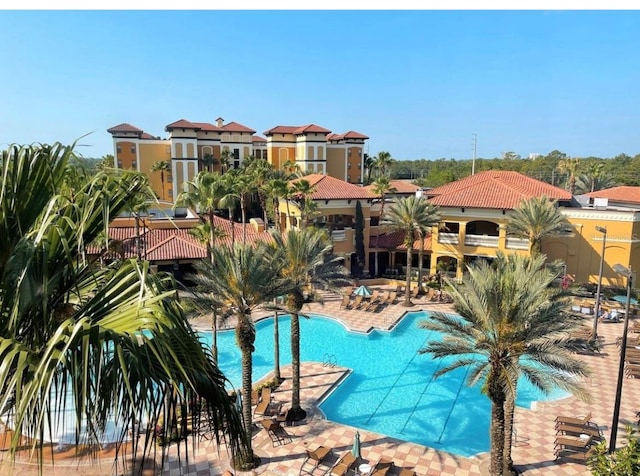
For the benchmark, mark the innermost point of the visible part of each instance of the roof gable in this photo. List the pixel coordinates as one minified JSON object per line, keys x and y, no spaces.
{"x":622,"y":194}
{"x":326,"y":187}
{"x":493,"y":189}
{"x":181,"y":124}
{"x":124,"y":127}
{"x":237,"y":127}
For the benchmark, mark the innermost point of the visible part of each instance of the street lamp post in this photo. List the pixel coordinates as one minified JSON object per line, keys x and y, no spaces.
{"x":594,"y":332}
{"x":626,"y":272}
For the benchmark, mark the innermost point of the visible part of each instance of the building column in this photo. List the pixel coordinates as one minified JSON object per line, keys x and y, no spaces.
{"x":502,"y":236}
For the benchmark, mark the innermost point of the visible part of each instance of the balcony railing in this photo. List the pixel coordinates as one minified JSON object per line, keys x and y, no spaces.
{"x":481,"y":240}
{"x":517,"y":243}
{"x":448,"y":238}
{"x":338,"y":235}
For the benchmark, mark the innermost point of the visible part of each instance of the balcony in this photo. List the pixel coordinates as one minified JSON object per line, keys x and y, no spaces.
{"x":481,"y":240}
{"x":339,"y":235}
{"x":448,"y":238}
{"x":517,"y":243}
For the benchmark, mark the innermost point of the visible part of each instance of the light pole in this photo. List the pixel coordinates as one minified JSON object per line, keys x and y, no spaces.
{"x":626,"y":272}
{"x":594,"y":332}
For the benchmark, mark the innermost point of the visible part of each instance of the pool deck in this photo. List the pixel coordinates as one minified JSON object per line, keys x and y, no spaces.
{"x":533,"y":451}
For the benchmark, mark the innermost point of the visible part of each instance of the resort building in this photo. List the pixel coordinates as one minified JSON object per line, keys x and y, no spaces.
{"x":315,"y":149}
{"x":194,"y":146}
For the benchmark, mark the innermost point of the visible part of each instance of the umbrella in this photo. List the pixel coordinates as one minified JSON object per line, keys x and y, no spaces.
{"x":355,"y":451}
{"x":362,"y":291}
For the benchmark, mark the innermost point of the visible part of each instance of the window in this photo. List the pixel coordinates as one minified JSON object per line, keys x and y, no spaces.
{"x":119,"y":149}
{"x":349,"y":153}
{"x":119,"y":164}
{"x":134,"y":164}
{"x":236,"y":154}
{"x":170,"y":192}
{"x":348,"y":165}
{"x":169,"y":178}
{"x":133,"y":149}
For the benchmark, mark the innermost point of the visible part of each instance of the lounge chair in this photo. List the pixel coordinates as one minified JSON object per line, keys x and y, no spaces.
{"x":276,"y":431}
{"x":576,"y":430}
{"x":579,"y":421}
{"x":262,"y":408}
{"x":343,"y":465}
{"x":255,"y":397}
{"x":348,"y":291}
{"x":357,"y":302}
{"x":393,"y":295}
{"x":346,"y":301}
{"x":381,"y":468}
{"x":578,"y":456}
{"x":415,"y":291}
{"x":314,"y":458}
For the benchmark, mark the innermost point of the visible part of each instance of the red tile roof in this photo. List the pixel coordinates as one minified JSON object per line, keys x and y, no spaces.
{"x":236,"y":127}
{"x":146,"y":136}
{"x":181,"y":124}
{"x":330,"y":188}
{"x":206,"y":126}
{"x":334,"y":137}
{"x":258,"y":139}
{"x":297,"y":130}
{"x":124,"y":127}
{"x":493,"y":189}
{"x":354,"y":135}
{"x":623,"y":194}
{"x":401,"y":186}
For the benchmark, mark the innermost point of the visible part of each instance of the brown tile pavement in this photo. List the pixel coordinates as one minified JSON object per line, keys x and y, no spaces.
{"x":533,"y":452}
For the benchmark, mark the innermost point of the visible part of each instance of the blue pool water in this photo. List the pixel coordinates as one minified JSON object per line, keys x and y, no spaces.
{"x":623,"y":299}
{"x":390,"y":390}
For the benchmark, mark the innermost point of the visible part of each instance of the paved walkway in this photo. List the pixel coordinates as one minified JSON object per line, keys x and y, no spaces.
{"x":533,"y":453}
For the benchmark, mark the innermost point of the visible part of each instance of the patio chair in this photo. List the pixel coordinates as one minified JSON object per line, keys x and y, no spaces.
{"x":347,"y":291}
{"x":262,"y":408}
{"x":381,"y":468}
{"x":255,"y":397}
{"x":346,"y":462}
{"x":415,"y":291}
{"x":577,"y":456}
{"x":393,"y":295}
{"x":346,"y":302}
{"x":276,"y":431}
{"x":576,"y":430}
{"x":357,"y":302}
{"x":314,"y":458}
{"x":579,"y":421}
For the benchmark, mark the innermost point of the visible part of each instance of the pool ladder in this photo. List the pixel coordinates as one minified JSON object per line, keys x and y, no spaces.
{"x":329,"y":360}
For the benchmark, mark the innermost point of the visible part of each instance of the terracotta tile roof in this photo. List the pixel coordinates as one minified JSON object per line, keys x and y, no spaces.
{"x":297,"y":130}
{"x":395,"y":240}
{"x":258,"y":139}
{"x":401,"y":186}
{"x":623,"y":194}
{"x":181,"y":124}
{"x":236,"y":127}
{"x":177,"y":245}
{"x":334,"y":137}
{"x":146,"y":136}
{"x":493,"y":189}
{"x":124,"y":127}
{"x":312,"y":128}
{"x":207,"y":127}
{"x":354,"y":135}
{"x":331,"y":188}
{"x":281,"y":130}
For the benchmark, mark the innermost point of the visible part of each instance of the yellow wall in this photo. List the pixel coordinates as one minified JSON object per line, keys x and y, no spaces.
{"x":150,"y":153}
{"x":355,"y":160}
{"x":125,"y":156}
{"x":336,"y":163}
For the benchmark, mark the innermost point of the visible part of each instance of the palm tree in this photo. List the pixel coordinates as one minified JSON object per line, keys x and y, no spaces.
{"x":204,"y":194}
{"x":411,"y":216}
{"x":383,"y":162}
{"x":594,"y":179}
{"x":113,"y":337}
{"x":570,"y":166}
{"x":261,"y":173}
{"x":535,"y":219}
{"x":230,"y":199}
{"x":301,"y":191}
{"x":369,"y":164}
{"x":511,"y":322}
{"x":208,"y":161}
{"x":381,"y":187}
{"x":306,"y":260}
{"x":225,"y":160}
{"x":136,"y":205}
{"x":275,"y":189}
{"x":243,"y":280}
{"x":161,"y":166}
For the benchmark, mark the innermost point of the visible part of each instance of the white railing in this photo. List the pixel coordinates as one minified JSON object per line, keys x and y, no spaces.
{"x":517,"y":243}
{"x":481,"y":240}
{"x":449,"y":238}
{"x":338,"y":235}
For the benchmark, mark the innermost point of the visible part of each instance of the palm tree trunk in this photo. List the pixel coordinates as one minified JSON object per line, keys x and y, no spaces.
{"x":233,"y":228}
{"x":497,"y":397}
{"x":138,"y":243}
{"x":243,"y":337}
{"x":162,"y":182}
{"x":509,"y":410}
{"x":296,"y":412}
{"x":244,"y":220}
{"x":211,"y":236}
{"x":420,"y":257}
{"x":276,"y":350}
{"x":407,"y":293}
{"x":214,"y":336}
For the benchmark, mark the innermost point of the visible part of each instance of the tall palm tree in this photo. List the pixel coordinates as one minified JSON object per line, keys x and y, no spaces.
{"x":381,"y":187}
{"x":570,"y":166}
{"x":261,"y":173}
{"x":230,"y":199}
{"x":306,"y":260}
{"x":243,"y":280}
{"x":411,"y":216}
{"x":208,"y":161}
{"x":204,"y":194}
{"x":225,"y":160}
{"x":161,"y":166}
{"x":301,"y":191}
{"x":535,"y":219}
{"x":511,"y":322}
{"x":275,"y":189}
{"x":595,"y":178}
{"x":137,"y":205}
{"x":114,"y":338}
{"x":383,"y":162}
{"x":370,"y":165}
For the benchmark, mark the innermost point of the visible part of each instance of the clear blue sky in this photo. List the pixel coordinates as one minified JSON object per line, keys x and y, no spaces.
{"x":419,"y":84}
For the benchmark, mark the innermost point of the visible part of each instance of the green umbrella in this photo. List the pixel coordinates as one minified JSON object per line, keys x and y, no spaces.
{"x":362,"y":291}
{"x":355,"y":451}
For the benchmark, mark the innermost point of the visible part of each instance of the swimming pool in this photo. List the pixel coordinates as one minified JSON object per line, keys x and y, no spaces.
{"x":390,"y":390}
